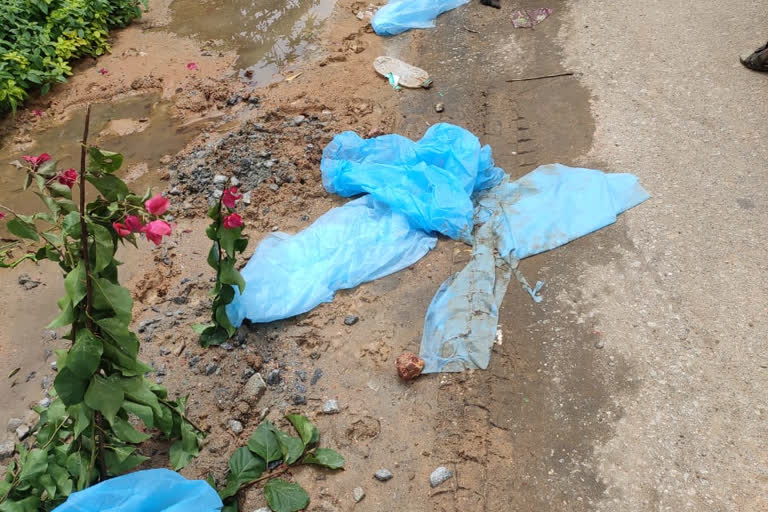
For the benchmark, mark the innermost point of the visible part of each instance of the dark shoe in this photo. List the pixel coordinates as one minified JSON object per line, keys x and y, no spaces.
{"x":758,"y":60}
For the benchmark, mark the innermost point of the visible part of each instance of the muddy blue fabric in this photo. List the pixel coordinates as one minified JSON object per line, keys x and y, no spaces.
{"x":431,"y":180}
{"x":291,"y":274}
{"x":401,"y":15}
{"x":543,"y":210}
{"x":153,"y":490}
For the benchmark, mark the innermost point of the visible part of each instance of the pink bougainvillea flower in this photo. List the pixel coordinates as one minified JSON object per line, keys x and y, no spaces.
{"x":158,"y":205}
{"x":38,"y":113}
{"x":156,"y":230}
{"x":103,"y":71}
{"x":121,"y":229}
{"x":229,"y":197}
{"x":36,"y":161}
{"x":2,"y":215}
{"x":191,"y":66}
{"x":233,"y":221}
{"x":133,"y":223}
{"x":68,"y":177}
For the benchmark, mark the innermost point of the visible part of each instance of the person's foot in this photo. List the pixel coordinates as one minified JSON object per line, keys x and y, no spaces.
{"x":757,"y":60}
{"x":492,"y":3}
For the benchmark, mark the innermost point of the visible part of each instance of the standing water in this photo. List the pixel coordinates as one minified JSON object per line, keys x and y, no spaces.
{"x":266,"y":34}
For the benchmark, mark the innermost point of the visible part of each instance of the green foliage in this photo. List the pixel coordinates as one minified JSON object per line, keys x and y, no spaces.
{"x":39,"y":38}
{"x":270,"y":447}
{"x":228,"y":242}
{"x":91,"y":429}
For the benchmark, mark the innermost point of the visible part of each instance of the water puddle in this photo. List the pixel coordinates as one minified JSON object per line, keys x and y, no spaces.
{"x":139,"y":127}
{"x":267,"y":34}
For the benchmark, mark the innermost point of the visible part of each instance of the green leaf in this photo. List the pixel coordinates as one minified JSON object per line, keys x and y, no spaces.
{"x":104,"y":246}
{"x":30,"y":504}
{"x":122,"y":452}
{"x":23,"y":229}
{"x":244,"y":467}
{"x":82,"y":416}
{"x":227,"y":238}
{"x":179,"y":456}
{"x":214,"y":212}
{"x":223,"y":320}
{"x":85,"y":355}
{"x":105,"y":161}
{"x":111,"y":187}
{"x":47,"y":170}
{"x":47,"y":483}
{"x":307,"y":431}
{"x":66,"y":316}
{"x":49,"y":202}
{"x":57,"y":189}
{"x":143,"y":412}
{"x":213,"y":256}
{"x":117,"y":467}
{"x":105,"y":396}
{"x":61,"y":477}
{"x":137,"y":390}
{"x":69,"y":386}
{"x":79,"y":466}
{"x":74,"y":283}
{"x":285,"y":496}
{"x":35,"y":465}
{"x":109,"y":296}
{"x":229,"y":275}
{"x":213,"y":335}
{"x":263,"y":442}
{"x":126,"y":432}
{"x":325,"y":457}
{"x":71,"y":225}
{"x":230,"y":507}
{"x":291,"y":447}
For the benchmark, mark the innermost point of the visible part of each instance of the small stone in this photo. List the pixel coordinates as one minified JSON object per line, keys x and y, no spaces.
{"x":439,"y":476}
{"x":273,"y":378}
{"x":299,"y":400}
{"x":296,"y":121}
{"x":235,"y":426}
{"x":300,"y":387}
{"x":274,"y":187}
{"x":409,"y":366}
{"x":599,"y":344}
{"x":358,"y":494}
{"x":331,"y":407}
{"x":255,"y":386}
{"x":301,"y":375}
{"x":22,"y":432}
{"x":194,"y":361}
{"x":234,"y":181}
{"x":263,"y":509}
{"x":220,"y":180}
{"x":54,"y":365}
{"x":45,"y":402}
{"x":316,"y":376}
{"x":7,"y":449}
{"x":14,"y":423}
{"x":439,"y":107}
{"x":211,"y":368}
{"x":351,"y":319}
{"x":247,"y":198}
{"x":227,"y":346}
{"x":383,"y":475}
{"x":165,"y":352}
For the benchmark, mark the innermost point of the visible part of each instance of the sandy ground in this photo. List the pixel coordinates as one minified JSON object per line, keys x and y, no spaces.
{"x":637,"y":384}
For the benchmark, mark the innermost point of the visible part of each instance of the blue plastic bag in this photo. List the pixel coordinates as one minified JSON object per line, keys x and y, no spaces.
{"x":401,"y":15}
{"x":431,"y":181}
{"x":349,"y":245}
{"x":153,"y":490}
{"x":544,"y":209}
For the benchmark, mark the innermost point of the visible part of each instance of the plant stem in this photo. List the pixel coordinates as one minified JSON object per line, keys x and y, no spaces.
{"x":183,"y":416}
{"x":83,"y":226}
{"x":283,"y":469}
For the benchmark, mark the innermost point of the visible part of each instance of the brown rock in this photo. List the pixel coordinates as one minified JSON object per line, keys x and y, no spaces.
{"x":409,"y":366}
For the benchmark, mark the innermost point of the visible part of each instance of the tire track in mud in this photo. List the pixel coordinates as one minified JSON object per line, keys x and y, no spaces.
{"x":520,"y":435}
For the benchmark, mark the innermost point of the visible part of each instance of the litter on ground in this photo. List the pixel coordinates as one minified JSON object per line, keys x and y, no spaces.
{"x":401,"y":15}
{"x":407,"y":75}
{"x":529,"y":18}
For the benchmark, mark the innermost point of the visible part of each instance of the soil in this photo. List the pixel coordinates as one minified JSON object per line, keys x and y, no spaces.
{"x":504,"y":432}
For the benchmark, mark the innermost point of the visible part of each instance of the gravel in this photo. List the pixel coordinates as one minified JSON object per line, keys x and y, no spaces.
{"x":316,"y":376}
{"x":358,"y":494}
{"x":331,"y":407}
{"x":211,"y":368}
{"x":299,"y":400}
{"x":383,"y":475}
{"x":235,"y":426}
{"x":439,"y":476}
{"x":14,"y":423}
{"x":273,"y":378}
{"x":255,"y":386}
{"x":22,"y":432}
{"x":6,"y":449}
{"x":351,"y":319}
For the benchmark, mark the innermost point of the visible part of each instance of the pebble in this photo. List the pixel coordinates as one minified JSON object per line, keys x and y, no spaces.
{"x":22,"y":432}
{"x":45,"y":402}
{"x":299,"y":400}
{"x":298,"y":120}
{"x":351,"y":319}
{"x":211,"y":368}
{"x":383,"y":475}
{"x":255,"y":386}
{"x":6,"y":449}
{"x":439,"y":476}
{"x":599,"y":344}
{"x":235,"y":426}
{"x":274,"y":187}
{"x":220,"y":180}
{"x":263,"y":509}
{"x":331,"y":407}
{"x":164,"y":352}
{"x":439,"y":107}
{"x":300,"y":387}
{"x":273,"y":379}
{"x":316,"y":376}
{"x":246,"y":198}
{"x":14,"y":423}
{"x":194,"y":361}
{"x":358,"y":494}
{"x":301,"y":375}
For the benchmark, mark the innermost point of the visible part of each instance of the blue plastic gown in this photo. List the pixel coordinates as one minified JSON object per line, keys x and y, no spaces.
{"x":153,"y":490}
{"x":401,"y":15}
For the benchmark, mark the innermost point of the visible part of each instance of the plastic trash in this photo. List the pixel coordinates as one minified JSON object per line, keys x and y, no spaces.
{"x":430,"y":181}
{"x":407,"y":75}
{"x":291,"y":274}
{"x":401,"y":15}
{"x":153,"y":490}
{"x":529,"y":18}
{"x":543,"y":210}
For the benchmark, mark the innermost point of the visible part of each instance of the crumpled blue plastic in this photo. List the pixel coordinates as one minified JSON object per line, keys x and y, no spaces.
{"x":431,"y":180}
{"x":543,"y":210}
{"x":291,"y":274}
{"x":401,"y":15}
{"x":153,"y":490}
